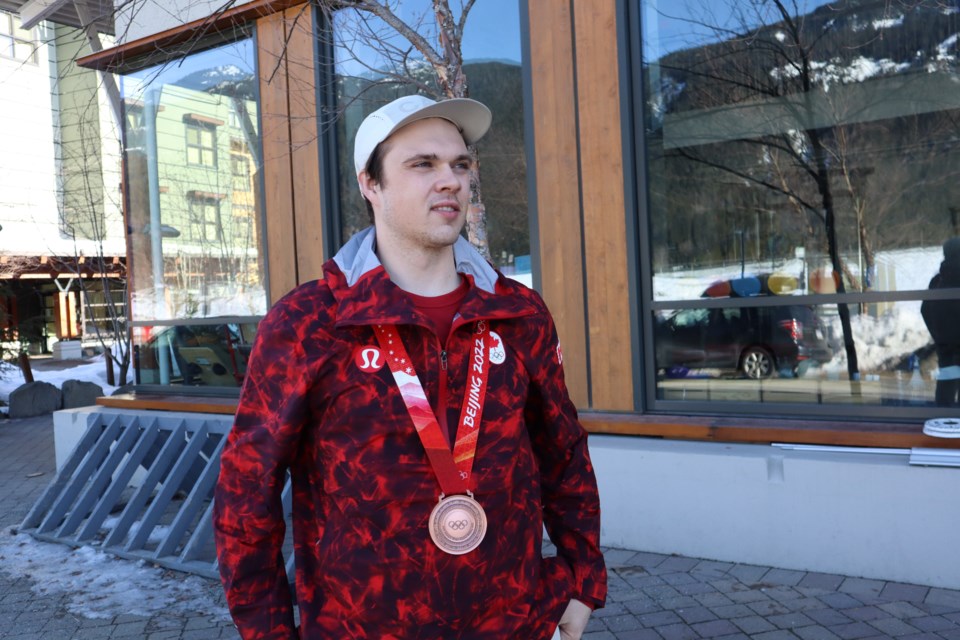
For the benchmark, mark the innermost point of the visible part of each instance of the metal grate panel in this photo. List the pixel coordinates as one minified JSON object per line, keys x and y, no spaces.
{"x":139,"y":485}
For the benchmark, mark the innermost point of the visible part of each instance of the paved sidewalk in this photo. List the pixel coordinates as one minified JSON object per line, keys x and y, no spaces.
{"x":652,"y":596}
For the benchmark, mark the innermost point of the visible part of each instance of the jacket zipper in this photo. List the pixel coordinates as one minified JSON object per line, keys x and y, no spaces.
{"x":442,"y":401}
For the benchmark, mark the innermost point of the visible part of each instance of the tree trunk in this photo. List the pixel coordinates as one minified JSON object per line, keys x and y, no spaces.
{"x":453,"y":84}
{"x":829,"y":216}
{"x":829,"y":212}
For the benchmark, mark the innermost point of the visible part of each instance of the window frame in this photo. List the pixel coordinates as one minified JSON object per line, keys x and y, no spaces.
{"x":840,"y":424}
{"x":195,"y":125}
{"x":199,"y":207}
{"x":242,"y":178}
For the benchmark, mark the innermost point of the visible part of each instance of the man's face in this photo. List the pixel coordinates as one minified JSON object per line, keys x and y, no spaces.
{"x":422,"y":199}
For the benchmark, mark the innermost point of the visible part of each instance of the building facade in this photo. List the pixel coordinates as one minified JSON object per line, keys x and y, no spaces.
{"x":734,"y":211}
{"x":62,"y":246}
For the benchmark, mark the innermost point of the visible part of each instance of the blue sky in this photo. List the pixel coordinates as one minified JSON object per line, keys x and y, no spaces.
{"x":492,"y":30}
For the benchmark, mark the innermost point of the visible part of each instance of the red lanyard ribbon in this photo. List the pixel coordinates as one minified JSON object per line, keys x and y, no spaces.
{"x":452,"y":469}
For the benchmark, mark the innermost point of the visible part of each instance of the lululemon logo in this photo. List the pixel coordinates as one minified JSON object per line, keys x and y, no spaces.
{"x":369,"y":359}
{"x":497,"y":353}
{"x":559,"y":353}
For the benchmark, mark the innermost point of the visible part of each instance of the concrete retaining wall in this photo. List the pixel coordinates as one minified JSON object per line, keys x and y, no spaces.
{"x":861,"y":514}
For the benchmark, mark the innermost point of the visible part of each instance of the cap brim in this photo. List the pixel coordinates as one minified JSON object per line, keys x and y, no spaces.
{"x":471,"y":117}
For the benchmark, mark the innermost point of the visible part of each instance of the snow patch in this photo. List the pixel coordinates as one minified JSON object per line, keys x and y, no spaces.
{"x":835,"y":71}
{"x":98,"y":585}
{"x":944,"y":47}
{"x":95,"y":371}
{"x":887,"y":23}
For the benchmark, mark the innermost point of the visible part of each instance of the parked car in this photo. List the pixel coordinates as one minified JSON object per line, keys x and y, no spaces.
{"x":758,"y":342}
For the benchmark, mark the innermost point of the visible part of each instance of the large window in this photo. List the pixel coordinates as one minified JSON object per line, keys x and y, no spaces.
{"x":15,"y":42}
{"x":374,"y":66}
{"x":801,"y":167}
{"x":198,"y":284}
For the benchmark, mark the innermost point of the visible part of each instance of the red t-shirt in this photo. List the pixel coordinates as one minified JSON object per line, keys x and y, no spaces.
{"x":441,"y":309}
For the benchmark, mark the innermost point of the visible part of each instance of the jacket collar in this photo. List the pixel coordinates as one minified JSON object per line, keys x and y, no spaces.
{"x":358,"y":258}
{"x":366,"y":295}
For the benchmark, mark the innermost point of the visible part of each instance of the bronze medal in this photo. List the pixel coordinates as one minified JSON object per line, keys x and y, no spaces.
{"x":458,"y":524}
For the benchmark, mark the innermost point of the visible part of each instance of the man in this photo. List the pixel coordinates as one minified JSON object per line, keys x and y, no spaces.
{"x":940,"y":317}
{"x":416,"y":397}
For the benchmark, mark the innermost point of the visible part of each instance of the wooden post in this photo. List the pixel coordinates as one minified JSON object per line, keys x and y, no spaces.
{"x":24,"y":359}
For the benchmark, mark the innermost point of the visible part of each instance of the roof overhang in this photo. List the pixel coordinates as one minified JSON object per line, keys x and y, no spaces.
{"x":183,"y":39}
{"x":65,"y":12}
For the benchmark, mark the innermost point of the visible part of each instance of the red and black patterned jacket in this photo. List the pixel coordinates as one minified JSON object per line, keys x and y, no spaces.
{"x":363,"y":487}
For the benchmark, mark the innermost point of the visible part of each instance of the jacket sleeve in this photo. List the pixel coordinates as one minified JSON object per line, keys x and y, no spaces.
{"x":248,"y":514}
{"x":571,"y":504}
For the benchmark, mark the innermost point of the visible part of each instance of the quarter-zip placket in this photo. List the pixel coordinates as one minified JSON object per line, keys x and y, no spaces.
{"x":444,"y":385}
{"x":442,"y":400}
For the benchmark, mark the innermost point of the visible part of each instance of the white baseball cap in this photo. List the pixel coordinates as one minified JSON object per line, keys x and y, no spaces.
{"x":471,"y":117}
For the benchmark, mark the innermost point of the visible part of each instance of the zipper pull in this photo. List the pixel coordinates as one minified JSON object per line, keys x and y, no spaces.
{"x":443,"y":360}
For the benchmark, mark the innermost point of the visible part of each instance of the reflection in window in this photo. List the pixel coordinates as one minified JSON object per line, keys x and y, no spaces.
{"x":809,"y":149}
{"x":210,"y":355}
{"x":750,"y":342}
{"x":201,"y":144}
{"x":205,"y":220}
{"x":367,"y":77}
{"x":243,"y":222}
{"x":793,"y":353}
{"x":194,"y":222}
{"x":240,"y":169}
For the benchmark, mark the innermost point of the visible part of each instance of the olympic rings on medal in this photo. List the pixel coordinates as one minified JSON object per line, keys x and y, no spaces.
{"x":457,"y":524}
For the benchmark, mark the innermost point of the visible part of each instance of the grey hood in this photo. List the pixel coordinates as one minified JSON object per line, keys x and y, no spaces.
{"x":358,"y":257}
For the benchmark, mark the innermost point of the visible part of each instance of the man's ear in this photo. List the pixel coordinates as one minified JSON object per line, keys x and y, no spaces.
{"x":369,"y":189}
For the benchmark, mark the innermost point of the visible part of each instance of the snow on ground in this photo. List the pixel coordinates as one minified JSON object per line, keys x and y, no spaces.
{"x":882,"y":339}
{"x":94,"y":370}
{"x":97,"y":585}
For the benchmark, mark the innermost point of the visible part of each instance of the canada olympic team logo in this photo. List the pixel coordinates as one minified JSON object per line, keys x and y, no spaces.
{"x":369,"y":359}
{"x":497,"y":353}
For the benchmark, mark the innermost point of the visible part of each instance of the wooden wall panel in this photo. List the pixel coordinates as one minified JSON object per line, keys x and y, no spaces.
{"x":558,"y":196}
{"x":304,"y":153}
{"x":277,"y":193}
{"x":604,"y":216}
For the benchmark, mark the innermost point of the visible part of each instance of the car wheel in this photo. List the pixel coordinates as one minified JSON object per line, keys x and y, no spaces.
{"x":757,"y":363}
